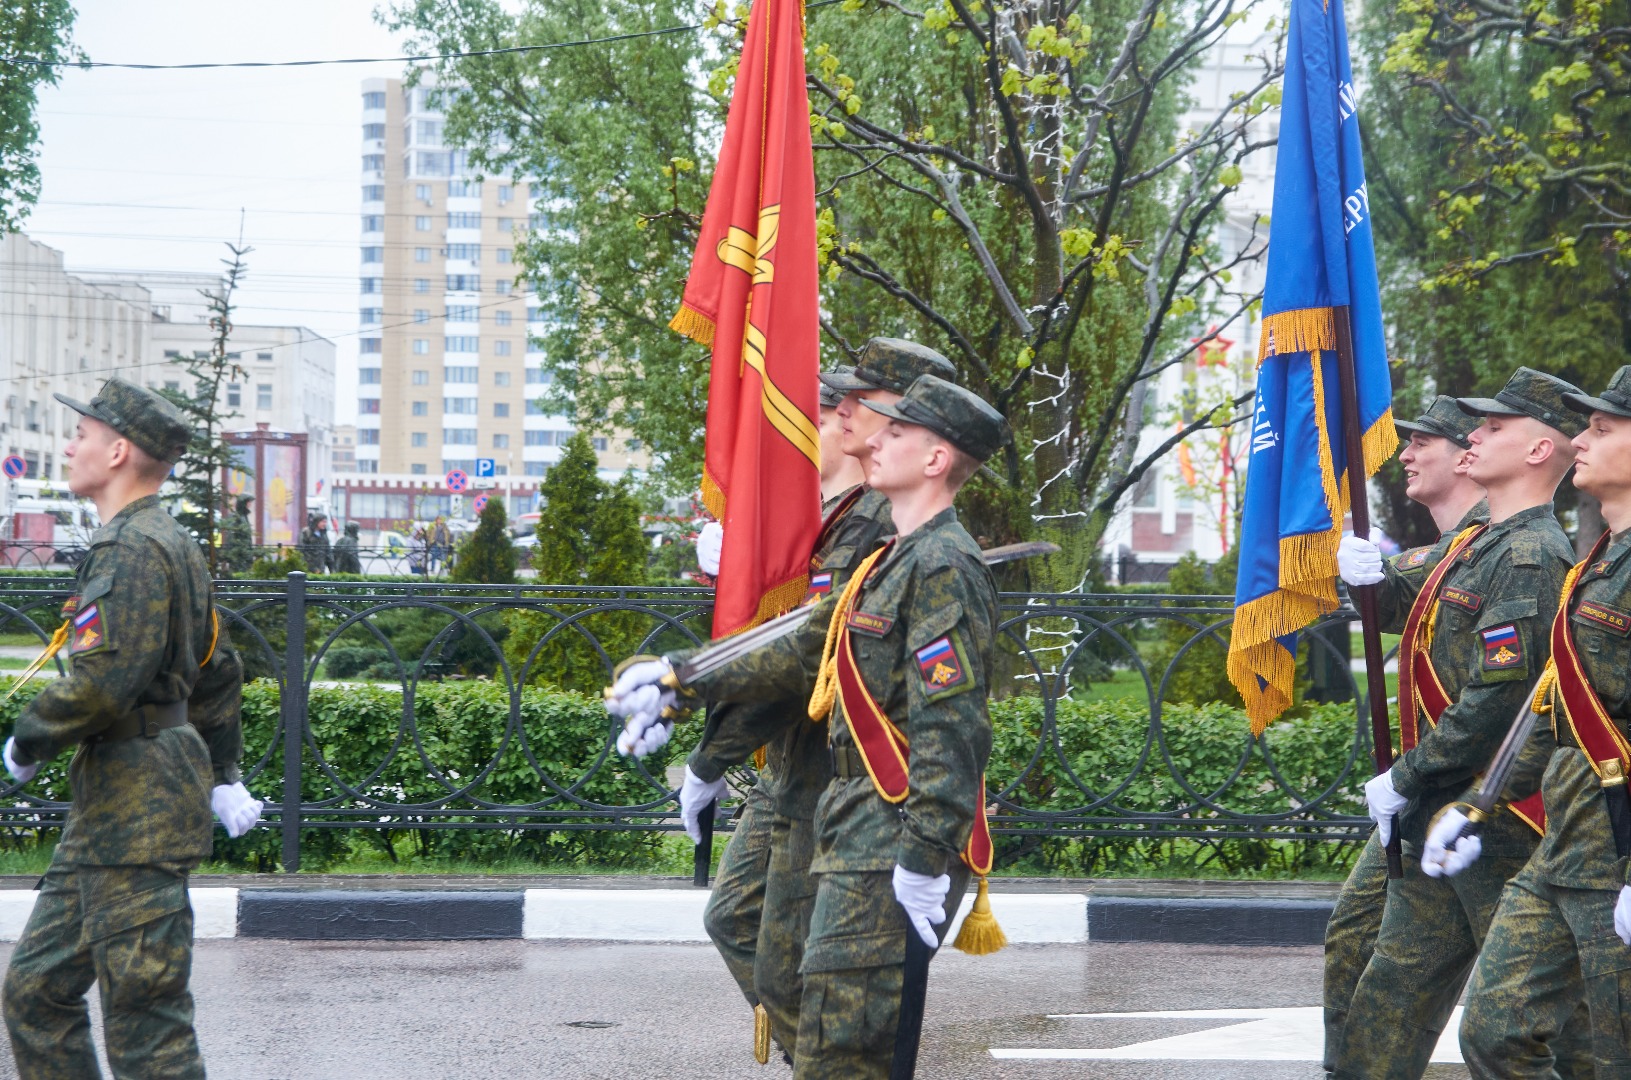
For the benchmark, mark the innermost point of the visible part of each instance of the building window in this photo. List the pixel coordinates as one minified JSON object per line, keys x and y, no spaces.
{"x":534,"y":468}
{"x":422,"y":223}
{"x":468,"y":252}
{"x":374,"y":99}
{"x":421,"y":315}
{"x":429,"y":131}
{"x":368,"y":375}
{"x":262,"y":356}
{"x":501,"y":348}
{"x":421,"y":254}
{"x":458,"y":436}
{"x":431,"y":163}
{"x":539,"y":377}
{"x":419,"y":438}
{"x":421,"y":285}
{"x":461,"y":313}
{"x":501,"y":442}
{"x":235,"y":395}
{"x":373,"y":163}
{"x":373,"y":131}
{"x":373,"y":193}
{"x":263,"y":395}
{"x":464,"y":283}
{"x":535,"y":314}
{"x":505,"y":194}
{"x":421,"y":408}
{"x":367,"y":465}
{"x":368,"y":436}
{"x":417,"y":470}
{"x":501,"y":318}
{"x":372,"y":316}
{"x":538,"y":408}
{"x":462,"y":343}
{"x":465,"y":406}
{"x":506,"y":224}
{"x":501,"y":287}
{"x":422,"y":193}
{"x":502,"y":255}
{"x":368,"y":406}
{"x":455,"y":373}
{"x":464,"y":189}
{"x":372,"y":285}
{"x":421,"y":378}
{"x":632,"y":446}
{"x":373,"y":223}
{"x":548,"y":438}
{"x":501,"y":408}
{"x":501,"y":378}
{"x":373,"y":254}
{"x":463,"y":219}
{"x":369,"y":345}
{"x":421,"y":346}
{"x":600,"y":443}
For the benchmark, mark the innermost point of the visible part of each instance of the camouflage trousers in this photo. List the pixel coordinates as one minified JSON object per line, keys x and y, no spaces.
{"x":760,"y":910}
{"x":127,"y":929}
{"x":853,"y":964}
{"x":1548,"y":947}
{"x":1350,"y":938}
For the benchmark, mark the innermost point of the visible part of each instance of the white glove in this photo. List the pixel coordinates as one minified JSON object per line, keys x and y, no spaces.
{"x":1359,"y":562}
{"x":1437,"y":860}
{"x":21,"y":773}
{"x":238,"y":810}
{"x":1384,"y":804}
{"x":710,"y":542}
{"x":924,"y":899}
{"x":637,"y":741}
{"x":1622,"y":914}
{"x":627,"y":695}
{"x":696,"y":793}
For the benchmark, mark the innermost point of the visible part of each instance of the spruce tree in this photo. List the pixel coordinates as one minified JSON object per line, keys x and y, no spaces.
{"x":486,"y":556}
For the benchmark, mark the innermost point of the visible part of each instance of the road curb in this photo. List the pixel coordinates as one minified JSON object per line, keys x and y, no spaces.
{"x":675,"y":915}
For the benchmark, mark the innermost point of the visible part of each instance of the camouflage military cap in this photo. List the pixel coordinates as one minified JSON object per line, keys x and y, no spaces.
{"x":831,"y":395}
{"x":1616,"y":399}
{"x":1531,"y":393}
{"x":890,"y":364}
{"x":140,"y":415}
{"x":957,"y":415}
{"x":1442,"y":419}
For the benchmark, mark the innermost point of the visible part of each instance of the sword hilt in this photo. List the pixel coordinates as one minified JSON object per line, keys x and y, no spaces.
{"x":1475,"y":816}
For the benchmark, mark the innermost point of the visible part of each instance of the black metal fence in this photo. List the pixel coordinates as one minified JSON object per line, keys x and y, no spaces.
{"x":1107,"y":727}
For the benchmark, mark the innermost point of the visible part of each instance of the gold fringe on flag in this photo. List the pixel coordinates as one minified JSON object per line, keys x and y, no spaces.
{"x":694,"y":325}
{"x":1303,"y":330}
{"x":980,"y":934}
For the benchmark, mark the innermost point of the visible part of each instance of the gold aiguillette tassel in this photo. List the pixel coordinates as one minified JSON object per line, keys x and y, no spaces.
{"x":761,"y":1035}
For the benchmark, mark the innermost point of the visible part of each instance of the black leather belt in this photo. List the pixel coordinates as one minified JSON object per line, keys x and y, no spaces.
{"x":143,"y":722}
{"x":847,"y":762}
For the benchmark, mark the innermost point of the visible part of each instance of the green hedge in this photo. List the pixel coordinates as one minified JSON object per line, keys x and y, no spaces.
{"x":460,"y":725}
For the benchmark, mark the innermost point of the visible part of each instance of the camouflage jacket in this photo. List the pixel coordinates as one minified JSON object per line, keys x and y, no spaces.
{"x":797,"y":766}
{"x":1578,"y":849}
{"x":932,"y":592}
{"x":1407,"y":571}
{"x":141,"y":627}
{"x":1489,"y":644}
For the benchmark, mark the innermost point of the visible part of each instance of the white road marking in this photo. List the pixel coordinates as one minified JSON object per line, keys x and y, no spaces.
{"x":1257,"y":1035}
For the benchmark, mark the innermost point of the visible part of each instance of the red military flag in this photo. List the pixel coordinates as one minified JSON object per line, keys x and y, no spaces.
{"x":752,"y":296}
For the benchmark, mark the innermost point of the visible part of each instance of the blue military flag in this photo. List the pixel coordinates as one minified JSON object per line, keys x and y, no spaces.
{"x":1321,"y":258}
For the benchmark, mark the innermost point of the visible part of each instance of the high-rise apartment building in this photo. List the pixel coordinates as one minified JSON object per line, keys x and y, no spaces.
{"x":443,"y":368}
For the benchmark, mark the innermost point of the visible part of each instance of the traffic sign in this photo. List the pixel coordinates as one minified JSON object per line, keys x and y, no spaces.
{"x":457,"y":480}
{"x":481,"y":483}
{"x":484,"y":467}
{"x":14,"y":467}
{"x":481,"y":502}
{"x":458,"y":505}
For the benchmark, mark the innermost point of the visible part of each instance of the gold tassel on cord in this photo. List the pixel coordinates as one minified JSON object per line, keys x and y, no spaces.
{"x":54,"y":646}
{"x":980,"y":935}
{"x":761,"y":1035}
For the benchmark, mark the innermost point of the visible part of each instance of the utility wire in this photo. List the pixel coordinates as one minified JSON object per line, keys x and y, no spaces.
{"x":31,"y":62}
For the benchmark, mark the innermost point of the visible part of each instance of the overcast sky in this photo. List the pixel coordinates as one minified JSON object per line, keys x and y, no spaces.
{"x":149,"y":169}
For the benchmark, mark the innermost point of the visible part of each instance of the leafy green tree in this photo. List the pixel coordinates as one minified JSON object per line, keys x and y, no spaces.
{"x":487,"y":556}
{"x":1007,"y":181}
{"x":35,"y":39}
{"x":588,"y":536}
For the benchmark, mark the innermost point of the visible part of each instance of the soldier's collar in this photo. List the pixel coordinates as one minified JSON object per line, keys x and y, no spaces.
{"x":1611,"y":558}
{"x":1475,"y":550}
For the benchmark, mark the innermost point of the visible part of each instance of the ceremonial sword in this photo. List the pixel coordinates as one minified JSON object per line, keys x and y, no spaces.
{"x":1488,"y":796}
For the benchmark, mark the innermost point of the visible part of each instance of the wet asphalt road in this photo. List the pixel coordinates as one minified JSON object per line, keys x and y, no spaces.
{"x":277,"y":1010}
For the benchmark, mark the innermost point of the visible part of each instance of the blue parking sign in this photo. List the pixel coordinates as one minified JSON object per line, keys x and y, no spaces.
{"x":484,"y":467}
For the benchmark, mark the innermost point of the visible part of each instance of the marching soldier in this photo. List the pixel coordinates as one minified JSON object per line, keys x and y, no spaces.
{"x":759,"y":912}
{"x":1563,"y":928}
{"x":346,"y":559}
{"x":152,"y":703}
{"x":1435,"y":464}
{"x":1472,"y":648}
{"x":901,"y":659}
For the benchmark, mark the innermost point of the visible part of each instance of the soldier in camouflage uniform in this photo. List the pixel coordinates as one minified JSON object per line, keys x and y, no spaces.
{"x":1489,"y":641}
{"x":922,"y":628}
{"x":1435,"y":465}
{"x":152,"y":705}
{"x":1563,"y":928}
{"x":344,"y":557}
{"x":759,"y":912}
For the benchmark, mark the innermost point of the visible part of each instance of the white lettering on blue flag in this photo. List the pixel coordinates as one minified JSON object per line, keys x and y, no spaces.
{"x":1347,"y":101}
{"x":1264,"y":436}
{"x":1355,"y":209}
